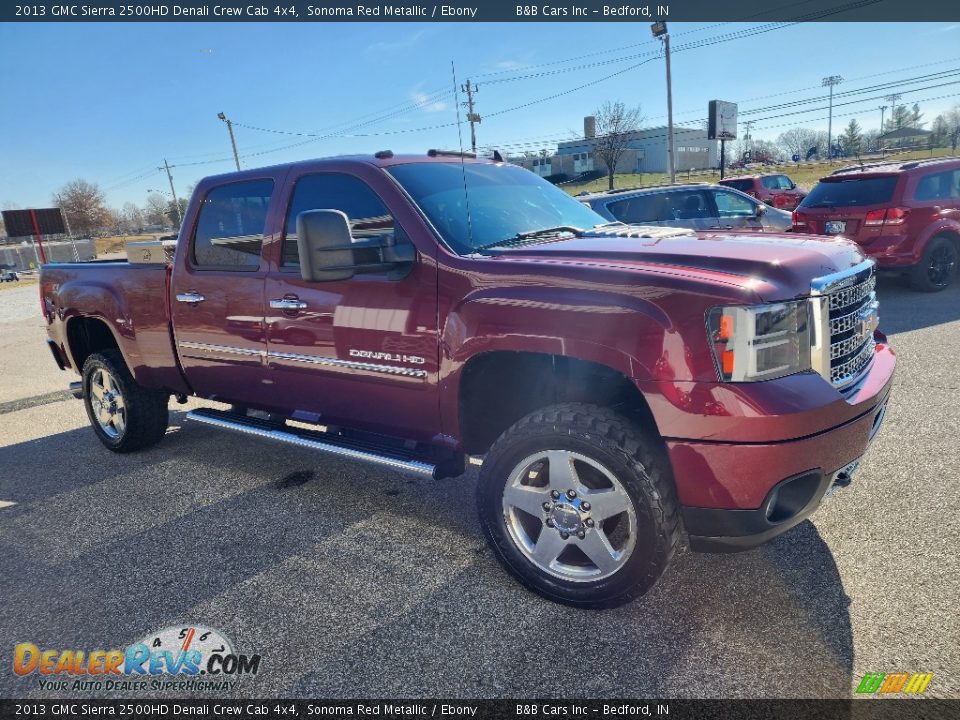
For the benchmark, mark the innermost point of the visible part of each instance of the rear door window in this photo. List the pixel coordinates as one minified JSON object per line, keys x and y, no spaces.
{"x":742,"y":185}
{"x":641,"y":209}
{"x":732,"y":205}
{"x":856,"y":192}
{"x":230,"y":228}
{"x":939,"y":186}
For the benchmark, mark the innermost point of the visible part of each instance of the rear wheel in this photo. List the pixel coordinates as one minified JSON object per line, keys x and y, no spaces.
{"x":125,"y":415}
{"x":938,"y":268}
{"x":579,"y":505}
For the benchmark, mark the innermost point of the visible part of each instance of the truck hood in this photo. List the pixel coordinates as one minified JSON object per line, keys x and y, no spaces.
{"x":776,"y":266}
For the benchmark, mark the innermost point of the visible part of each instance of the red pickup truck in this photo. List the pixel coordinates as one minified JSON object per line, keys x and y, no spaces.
{"x":623,"y":385}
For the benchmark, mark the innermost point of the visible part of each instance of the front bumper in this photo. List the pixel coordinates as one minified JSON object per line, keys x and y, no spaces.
{"x":763,"y":459}
{"x":789,"y":502}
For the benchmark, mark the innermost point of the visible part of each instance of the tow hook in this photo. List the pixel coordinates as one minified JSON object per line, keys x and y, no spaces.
{"x":76,"y":389}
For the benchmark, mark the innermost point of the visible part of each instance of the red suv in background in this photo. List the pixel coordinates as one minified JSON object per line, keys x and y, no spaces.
{"x":905,"y":215}
{"x":774,"y":189}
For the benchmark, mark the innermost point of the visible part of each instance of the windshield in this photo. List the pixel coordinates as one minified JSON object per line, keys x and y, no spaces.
{"x":857,"y":192}
{"x":504,"y":201}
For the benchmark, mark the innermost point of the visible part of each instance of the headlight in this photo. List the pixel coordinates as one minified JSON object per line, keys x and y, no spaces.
{"x":760,"y":342}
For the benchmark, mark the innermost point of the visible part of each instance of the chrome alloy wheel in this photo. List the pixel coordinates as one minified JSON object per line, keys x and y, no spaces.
{"x":569,"y":515}
{"x":107,"y":403}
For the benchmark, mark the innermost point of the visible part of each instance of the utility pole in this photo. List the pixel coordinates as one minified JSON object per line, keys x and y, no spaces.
{"x":830,"y":82}
{"x":176,"y":202}
{"x":746,"y":137}
{"x":659,"y":30}
{"x":472,"y":117}
{"x":233,"y":142}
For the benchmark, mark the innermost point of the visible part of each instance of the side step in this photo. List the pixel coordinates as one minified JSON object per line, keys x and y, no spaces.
{"x":394,"y":458}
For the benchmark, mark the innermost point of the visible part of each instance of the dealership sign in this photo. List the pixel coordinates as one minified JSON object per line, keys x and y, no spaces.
{"x":722,"y":123}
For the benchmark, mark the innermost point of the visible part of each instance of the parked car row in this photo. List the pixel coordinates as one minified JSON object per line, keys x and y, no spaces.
{"x":699,"y":206}
{"x":774,"y":189}
{"x":905,"y":215}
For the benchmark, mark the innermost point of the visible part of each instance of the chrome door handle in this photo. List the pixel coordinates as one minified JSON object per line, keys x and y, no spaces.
{"x":288,"y":304}
{"x":190,"y":297}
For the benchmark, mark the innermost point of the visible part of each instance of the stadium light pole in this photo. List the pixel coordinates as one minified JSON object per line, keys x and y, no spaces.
{"x":233,"y":142}
{"x":830,"y":82}
{"x":659,"y":30}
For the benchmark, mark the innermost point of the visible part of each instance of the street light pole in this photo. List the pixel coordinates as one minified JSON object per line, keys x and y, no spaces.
{"x":659,"y":29}
{"x":233,"y":141}
{"x":830,"y":82}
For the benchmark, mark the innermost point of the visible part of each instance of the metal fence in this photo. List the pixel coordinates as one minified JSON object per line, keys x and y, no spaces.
{"x":21,"y":254}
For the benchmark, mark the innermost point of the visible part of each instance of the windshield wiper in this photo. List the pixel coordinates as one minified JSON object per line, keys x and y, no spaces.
{"x":520,"y":237}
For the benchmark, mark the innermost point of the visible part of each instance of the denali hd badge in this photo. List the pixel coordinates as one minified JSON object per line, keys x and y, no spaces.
{"x":389,"y":357}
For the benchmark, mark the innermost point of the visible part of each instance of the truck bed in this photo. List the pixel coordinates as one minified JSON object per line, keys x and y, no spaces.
{"x":130,"y":299}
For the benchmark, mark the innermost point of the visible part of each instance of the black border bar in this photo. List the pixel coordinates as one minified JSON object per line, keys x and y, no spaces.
{"x":874,"y":708}
{"x":641,"y":11}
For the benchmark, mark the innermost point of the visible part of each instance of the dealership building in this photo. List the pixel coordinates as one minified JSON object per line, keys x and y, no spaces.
{"x":646,"y":152}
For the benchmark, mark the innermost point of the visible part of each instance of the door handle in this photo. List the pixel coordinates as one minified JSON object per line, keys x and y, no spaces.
{"x":288,"y":304}
{"x":190,"y":297}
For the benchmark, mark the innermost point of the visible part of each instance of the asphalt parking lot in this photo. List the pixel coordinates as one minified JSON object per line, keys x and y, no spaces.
{"x":353,"y":581}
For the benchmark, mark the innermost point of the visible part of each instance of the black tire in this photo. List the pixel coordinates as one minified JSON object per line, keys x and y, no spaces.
{"x":638,"y":463}
{"x":938,"y":268}
{"x":145,"y":411}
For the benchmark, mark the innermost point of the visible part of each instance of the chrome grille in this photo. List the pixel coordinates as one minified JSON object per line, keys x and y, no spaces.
{"x":845,"y":308}
{"x":852,"y":295}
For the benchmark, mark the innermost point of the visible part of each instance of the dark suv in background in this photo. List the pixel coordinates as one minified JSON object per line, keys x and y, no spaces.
{"x":698,"y":206}
{"x":905,"y":215}
{"x":772,"y":188}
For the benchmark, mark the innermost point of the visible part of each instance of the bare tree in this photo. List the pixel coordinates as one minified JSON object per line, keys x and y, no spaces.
{"x":953,"y":127}
{"x":797,"y":141}
{"x":83,"y":204}
{"x":615,"y":122}
{"x":132,"y":218}
{"x":939,"y":131}
{"x":156,"y":210}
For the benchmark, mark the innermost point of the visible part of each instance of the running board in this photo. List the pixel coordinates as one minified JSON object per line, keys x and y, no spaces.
{"x":350,"y":448}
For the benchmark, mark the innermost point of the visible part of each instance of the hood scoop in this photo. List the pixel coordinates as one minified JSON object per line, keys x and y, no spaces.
{"x":654,"y":232}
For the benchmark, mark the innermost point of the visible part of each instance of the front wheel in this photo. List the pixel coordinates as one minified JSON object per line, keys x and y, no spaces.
{"x":579,"y":505}
{"x":125,"y":415}
{"x":937,"y":268}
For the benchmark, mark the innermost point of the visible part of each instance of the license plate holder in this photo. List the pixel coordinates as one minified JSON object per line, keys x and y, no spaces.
{"x":835,"y":227}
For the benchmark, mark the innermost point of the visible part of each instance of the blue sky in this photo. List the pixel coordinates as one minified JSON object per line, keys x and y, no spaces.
{"x":107,"y":102}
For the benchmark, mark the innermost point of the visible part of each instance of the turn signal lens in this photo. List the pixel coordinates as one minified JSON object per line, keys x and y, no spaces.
{"x":727,"y":362}
{"x":726,"y":327}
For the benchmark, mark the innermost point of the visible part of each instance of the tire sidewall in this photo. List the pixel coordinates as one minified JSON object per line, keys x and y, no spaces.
{"x":495,"y":474}
{"x":99,"y":362}
{"x":922,"y":277}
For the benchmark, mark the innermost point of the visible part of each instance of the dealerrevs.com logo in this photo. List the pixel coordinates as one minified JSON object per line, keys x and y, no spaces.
{"x":200,"y":658}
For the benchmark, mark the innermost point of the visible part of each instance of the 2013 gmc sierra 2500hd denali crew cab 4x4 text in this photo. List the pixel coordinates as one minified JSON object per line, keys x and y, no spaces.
{"x":623,"y":384}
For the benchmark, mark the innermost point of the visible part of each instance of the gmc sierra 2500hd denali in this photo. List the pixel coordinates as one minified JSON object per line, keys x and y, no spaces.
{"x":623,"y":384}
